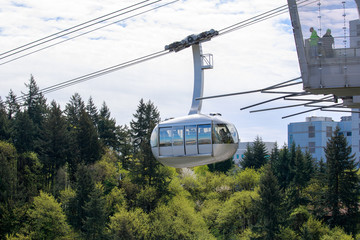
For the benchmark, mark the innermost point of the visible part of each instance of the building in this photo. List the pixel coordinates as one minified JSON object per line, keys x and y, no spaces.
{"x":313,"y":134}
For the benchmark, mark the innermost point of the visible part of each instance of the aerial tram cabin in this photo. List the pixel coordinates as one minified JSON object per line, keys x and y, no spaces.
{"x":195,"y":139}
{"x":329,"y":64}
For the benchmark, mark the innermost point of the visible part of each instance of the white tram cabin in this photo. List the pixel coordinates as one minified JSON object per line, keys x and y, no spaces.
{"x":194,"y":140}
{"x":331,"y":63}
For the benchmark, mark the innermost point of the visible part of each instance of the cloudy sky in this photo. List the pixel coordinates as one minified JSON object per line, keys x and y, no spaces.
{"x":250,"y":58}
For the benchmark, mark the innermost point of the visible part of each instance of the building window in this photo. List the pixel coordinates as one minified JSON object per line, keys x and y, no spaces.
{"x":348,"y":134}
{"x":358,"y":30}
{"x":312,"y":147}
{"x":328,"y":131}
{"x":311,"y":131}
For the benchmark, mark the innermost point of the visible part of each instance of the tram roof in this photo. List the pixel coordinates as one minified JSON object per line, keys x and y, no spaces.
{"x":193,"y":119}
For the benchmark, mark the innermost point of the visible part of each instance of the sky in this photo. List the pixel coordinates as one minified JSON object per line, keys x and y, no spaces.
{"x":250,"y":58}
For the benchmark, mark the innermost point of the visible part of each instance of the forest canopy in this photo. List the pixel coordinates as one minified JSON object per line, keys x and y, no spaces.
{"x":73,"y":173}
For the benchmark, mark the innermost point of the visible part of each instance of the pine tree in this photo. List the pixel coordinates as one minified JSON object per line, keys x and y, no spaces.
{"x":91,"y":109}
{"x":108,"y":131}
{"x":88,"y":140}
{"x":12,"y":105}
{"x":255,"y":155}
{"x":73,"y":111}
{"x":146,"y":118}
{"x":55,"y":143}
{"x":269,"y":204}
{"x":281,"y":167}
{"x":24,"y":132}
{"x":95,"y":216}
{"x":343,"y":183}
{"x":4,"y":122}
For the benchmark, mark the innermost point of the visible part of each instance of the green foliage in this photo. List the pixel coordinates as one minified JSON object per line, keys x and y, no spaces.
{"x":313,"y":229}
{"x":236,"y":214}
{"x":178,"y":220}
{"x":337,"y":234}
{"x":8,"y":171}
{"x":223,"y":166}
{"x":247,"y":179}
{"x":287,"y":234}
{"x":269,"y":204}
{"x":46,"y":219}
{"x":95,"y":216}
{"x":129,"y":225}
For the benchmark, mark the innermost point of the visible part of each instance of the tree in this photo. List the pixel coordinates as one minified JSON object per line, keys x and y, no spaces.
{"x":91,"y":109}
{"x":95,"y":216}
{"x":223,"y":166}
{"x":255,"y":155}
{"x":35,"y":103}
{"x":281,"y":167}
{"x":269,"y":204}
{"x":108,"y":131}
{"x":55,"y":143}
{"x":8,"y":171}
{"x":343,"y":183}
{"x":88,"y":140}
{"x":24,"y":132}
{"x":84,"y":186}
{"x":129,"y":225}
{"x":4,"y":122}
{"x":146,"y":118}
{"x":46,"y":219}
{"x":12,"y":105}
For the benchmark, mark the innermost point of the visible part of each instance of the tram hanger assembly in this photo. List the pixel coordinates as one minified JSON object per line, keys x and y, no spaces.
{"x":195,"y":139}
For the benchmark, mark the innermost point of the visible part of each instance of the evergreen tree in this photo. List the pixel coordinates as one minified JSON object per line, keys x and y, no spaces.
{"x":146,"y":118}
{"x":255,"y":155}
{"x":281,"y":167}
{"x":95,"y":216}
{"x":125,"y":145}
{"x":55,"y":143}
{"x":24,"y":132}
{"x":108,"y":131}
{"x":269,"y":204}
{"x":343,"y":183}
{"x":4,"y":122}
{"x":35,"y":103}
{"x":88,"y":140}
{"x":8,"y":171}
{"x":73,"y":111}
{"x":91,"y":109}
{"x":12,"y":105}
{"x":84,"y":186}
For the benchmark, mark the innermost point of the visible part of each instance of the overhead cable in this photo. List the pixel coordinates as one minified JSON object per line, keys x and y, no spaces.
{"x":76,"y":36}
{"x":73,"y":31}
{"x":68,"y":29}
{"x":97,"y":73}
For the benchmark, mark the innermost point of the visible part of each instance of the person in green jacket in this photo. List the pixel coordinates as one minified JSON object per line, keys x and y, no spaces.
{"x":314,"y":39}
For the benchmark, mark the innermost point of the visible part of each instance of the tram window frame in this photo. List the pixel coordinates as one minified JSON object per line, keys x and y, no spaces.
{"x":165,"y":142}
{"x":204,"y":138}
{"x":180,"y":140}
{"x":218,"y":137}
{"x":193,"y":139}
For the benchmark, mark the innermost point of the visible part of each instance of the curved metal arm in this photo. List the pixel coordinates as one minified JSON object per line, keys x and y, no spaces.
{"x":198,"y":79}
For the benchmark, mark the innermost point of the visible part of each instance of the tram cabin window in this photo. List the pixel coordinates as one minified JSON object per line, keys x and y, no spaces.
{"x":204,"y":134}
{"x":222,"y":134}
{"x":165,"y":137}
{"x":178,"y":136}
{"x":190,"y":135}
